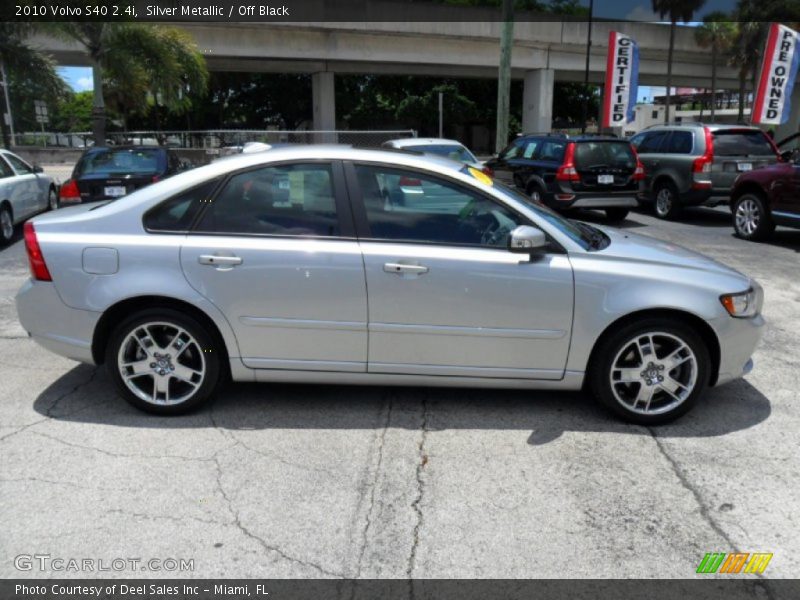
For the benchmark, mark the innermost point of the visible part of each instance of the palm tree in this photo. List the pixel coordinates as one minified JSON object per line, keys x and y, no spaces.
{"x":18,"y":57}
{"x":676,"y":10}
{"x":745,"y":55}
{"x":716,"y":32}
{"x":161,"y":60}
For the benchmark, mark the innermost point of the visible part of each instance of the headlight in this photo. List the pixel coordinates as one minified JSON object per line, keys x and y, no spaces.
{"x":741,"y":305}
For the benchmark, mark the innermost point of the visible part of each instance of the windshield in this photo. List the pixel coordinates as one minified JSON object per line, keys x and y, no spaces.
{"x":130,"y":161}
{"x":583,"y":235}
{"x":451,"y":151}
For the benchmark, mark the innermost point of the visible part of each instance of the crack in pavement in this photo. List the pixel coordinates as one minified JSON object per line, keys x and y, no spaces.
{"x":415,"y":505}
{"x":373,"y":487}
{"x":705,"y":513}
{"x":48,"y":413}
{"x":174,"y":519}
{"x":236,"y":521}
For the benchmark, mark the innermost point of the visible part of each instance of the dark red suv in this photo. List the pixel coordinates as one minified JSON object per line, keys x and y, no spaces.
{"x":766,"y":197}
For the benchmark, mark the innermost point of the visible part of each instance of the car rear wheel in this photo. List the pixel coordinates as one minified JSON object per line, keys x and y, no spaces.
{"x":651,"y":371}
{"x":163,"y":362}
{"x":6,"y":225}
{"x":666,"y":202}
{"x":535,"y":193}
{"x":52,"y":199}
{"x":751,"y":219}
{"x":616,"y":215}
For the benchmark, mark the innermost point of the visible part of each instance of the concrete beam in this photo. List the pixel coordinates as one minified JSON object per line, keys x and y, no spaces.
{"x":324,"y":100}
{"x":537,"y":101}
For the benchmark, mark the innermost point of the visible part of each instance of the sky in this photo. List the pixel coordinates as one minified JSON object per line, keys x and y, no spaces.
{"x":78,"y":78}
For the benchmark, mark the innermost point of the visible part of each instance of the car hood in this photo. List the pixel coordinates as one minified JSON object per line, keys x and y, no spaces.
{"x":642,"y":249}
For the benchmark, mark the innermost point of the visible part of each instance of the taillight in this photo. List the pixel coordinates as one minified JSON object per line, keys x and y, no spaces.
{"x":409,"y":181}
{"x":702,"y":164}
{"x":155,"y":179}
{"x":35,"y":258}
{"x":567,"y":170}
{"x":638,"y":172}
{"x":488,"y":171}
{"x":69,"y":191}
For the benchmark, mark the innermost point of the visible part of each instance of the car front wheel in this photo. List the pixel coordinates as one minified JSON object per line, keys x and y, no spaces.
{"x":6,"y":225}
{"x":163,"y":362}
{"x":651,"y":371}
{"x":751,"y":219}
{"x":52,"y":199}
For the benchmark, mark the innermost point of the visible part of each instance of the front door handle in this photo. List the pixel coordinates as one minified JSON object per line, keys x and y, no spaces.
{"x":221,"y":262}
{"x":404,"y":269}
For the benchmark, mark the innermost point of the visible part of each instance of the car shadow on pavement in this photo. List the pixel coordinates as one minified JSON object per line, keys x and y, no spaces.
{"x":599,"y":217}
{"x":785,"y":238}
{"x":86,"y":395}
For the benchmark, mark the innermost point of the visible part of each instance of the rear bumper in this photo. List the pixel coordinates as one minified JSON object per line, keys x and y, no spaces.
{"x":54,"y":325}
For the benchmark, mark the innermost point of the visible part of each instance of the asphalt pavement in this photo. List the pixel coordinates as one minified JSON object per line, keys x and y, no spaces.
{"x":280,"y":481}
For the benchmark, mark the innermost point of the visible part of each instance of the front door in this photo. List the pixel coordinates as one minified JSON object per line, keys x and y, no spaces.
{"x":445,"y":296}
{"x":274,"y":252}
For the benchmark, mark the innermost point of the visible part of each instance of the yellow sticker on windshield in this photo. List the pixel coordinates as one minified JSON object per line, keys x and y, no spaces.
{"x":480,"y":176}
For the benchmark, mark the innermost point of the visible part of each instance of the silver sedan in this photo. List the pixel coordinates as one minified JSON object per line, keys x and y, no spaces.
{"x":335,"y":265}
{"x":24,"y":192}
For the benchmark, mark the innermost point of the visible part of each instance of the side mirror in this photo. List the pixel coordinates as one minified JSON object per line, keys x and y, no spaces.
{"x":526,"y":240}
{"x":786,"y":155}
{"x":38,"y":169}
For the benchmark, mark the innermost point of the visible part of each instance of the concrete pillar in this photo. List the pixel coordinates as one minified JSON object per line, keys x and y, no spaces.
{"x":324,"y":101}
{"x":537,"y":101}
{"x":793,"y":124}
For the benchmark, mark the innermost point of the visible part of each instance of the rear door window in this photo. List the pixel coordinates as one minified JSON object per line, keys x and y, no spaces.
{"x":680,"y":142}
{"x":593,"y":155}
{"x":652,"y":142}
{"x":747,"y":142}
{"x":552,"y":151}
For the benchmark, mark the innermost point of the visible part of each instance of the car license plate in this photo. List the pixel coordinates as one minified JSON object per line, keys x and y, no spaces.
{"x":115,"y":190}
{"x":605,"y":179}
{"x":745,"y":166}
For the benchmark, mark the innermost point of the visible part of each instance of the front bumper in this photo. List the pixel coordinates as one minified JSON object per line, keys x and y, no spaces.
{"x":738,"y":339}
{"x":54,"y":325}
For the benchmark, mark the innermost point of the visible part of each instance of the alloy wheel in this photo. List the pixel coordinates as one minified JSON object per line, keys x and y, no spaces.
{"x":536,"y":195}
{"x":6,"y":224}
{"x":663,"y":201}
{"x":653,"y":373}
{"x":52,"y":200}
{"x":161,"y":363}
{"x":748,"y":217}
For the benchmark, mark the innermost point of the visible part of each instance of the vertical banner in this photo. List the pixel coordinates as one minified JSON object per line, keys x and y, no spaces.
{"x":773,"y":101}
{"x":622,"y":80}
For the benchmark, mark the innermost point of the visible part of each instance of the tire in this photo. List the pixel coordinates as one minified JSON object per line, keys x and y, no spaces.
{"x":6,"y":225}
{"x":751,"y":218}
{"x":616,"y":215}
{"x":535,"y":193}
{"x":159,"y":389}
{"x":620,"y":355}
{"x":52,"y":199}
{"x":666,"y":203}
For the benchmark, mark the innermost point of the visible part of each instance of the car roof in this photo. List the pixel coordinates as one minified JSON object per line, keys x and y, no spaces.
{"x":587,"y":137}
{"x":334,"y":152}
{"x":128,"y":147}
{"x":403,"y":142}
{"x":700,"y":124}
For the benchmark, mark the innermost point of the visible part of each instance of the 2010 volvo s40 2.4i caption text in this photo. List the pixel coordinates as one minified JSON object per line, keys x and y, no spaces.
{"x":336,"y":265}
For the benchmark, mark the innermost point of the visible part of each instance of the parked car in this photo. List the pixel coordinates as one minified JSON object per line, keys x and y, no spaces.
{"x":262,"y":267}
{"x":766,"y":197}
{"x":439,"y":146}
{"x":111,"y":172}
{"x":24,"y":191}
{"x":573,"y":172}
{"x":695,"y":164}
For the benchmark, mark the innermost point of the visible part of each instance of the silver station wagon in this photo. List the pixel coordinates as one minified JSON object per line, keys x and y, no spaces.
{"x":327,"y":264}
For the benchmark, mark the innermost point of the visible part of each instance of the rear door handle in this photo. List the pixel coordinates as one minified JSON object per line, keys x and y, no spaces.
{"x":219,"y":261}
{"x":403,"y":269}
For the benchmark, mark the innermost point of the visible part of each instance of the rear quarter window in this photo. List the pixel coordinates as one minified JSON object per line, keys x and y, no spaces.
{"x":177,"y":213}
{"x":741,"y":143}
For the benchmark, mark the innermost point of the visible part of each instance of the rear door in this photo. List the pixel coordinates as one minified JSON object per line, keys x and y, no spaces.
{"x":737,"y":151}
{"x":649,"y":145}
{"x":514,"y":162}
{"x":275,"y":251}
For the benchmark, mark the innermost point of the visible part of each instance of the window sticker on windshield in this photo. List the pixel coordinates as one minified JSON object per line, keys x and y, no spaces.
{"x":480,"y":176}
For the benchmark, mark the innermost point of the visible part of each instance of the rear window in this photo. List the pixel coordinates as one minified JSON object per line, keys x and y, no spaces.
{"x":143,"y":161}
{"x":178,"y":213}
{"x":742,"y":143}
{"x":452,"y":151}
{"x":589,"y":155}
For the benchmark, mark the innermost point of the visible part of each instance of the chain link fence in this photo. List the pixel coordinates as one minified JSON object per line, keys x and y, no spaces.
{"x":230,"y":140}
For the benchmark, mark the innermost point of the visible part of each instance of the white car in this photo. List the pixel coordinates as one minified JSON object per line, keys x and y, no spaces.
{"x":451,"y":149}
{"x":24,"y":192}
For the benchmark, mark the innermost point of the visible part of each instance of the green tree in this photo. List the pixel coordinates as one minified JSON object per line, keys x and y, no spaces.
{"x":675,"y":10}
{"x":31,"y":75}
{"x":142,"y":65}
{"x":74,"y":112}
{"x":717,"y":32}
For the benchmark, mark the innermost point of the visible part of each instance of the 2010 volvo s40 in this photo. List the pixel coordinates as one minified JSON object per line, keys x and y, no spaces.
{"x":336,"y":265}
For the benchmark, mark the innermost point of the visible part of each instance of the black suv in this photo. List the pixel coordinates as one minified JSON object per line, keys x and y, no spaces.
{"x":565,"y":172}
{"x":693,"y":164}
